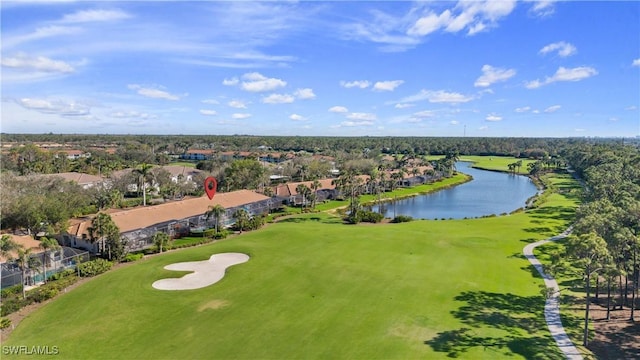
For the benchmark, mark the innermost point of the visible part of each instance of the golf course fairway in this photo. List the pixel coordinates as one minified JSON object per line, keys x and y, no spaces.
{"x":317,"y":288}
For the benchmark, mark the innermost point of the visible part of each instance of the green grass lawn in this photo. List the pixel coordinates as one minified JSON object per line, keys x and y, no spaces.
{"x":316,"y":288}
{"x":495,"y":163}
{"x":191,"y":164}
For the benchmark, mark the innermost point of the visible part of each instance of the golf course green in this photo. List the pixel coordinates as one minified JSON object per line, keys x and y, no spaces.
{"x":317,"y":288}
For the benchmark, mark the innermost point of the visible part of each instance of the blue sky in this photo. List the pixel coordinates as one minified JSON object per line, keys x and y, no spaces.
{"x":352,"y":68}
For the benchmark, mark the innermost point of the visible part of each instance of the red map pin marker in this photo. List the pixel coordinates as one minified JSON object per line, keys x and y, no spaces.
{"x":210,"y":185}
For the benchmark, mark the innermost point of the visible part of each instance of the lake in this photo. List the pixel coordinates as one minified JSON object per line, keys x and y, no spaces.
{"x":489,"y":193}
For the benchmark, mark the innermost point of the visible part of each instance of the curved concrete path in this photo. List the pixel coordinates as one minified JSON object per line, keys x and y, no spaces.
{"x":551,"y":307}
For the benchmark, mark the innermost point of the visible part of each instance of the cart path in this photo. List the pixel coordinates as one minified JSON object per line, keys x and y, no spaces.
{"x":551,"y":307}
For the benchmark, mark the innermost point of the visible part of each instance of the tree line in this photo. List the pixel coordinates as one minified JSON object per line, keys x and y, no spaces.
{"x":604,"y":248}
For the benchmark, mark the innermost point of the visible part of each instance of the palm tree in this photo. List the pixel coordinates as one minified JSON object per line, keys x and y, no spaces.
{"x":144,"y":174}
{"x":303,"y":190}
{"x":216,"y":211}
{"x":161,"y":239}
{"x":242,"y":218}
{"x":25,"y":263}
{"x":8,"y":246}
{"x":104,"y":230}
{"x":315,"y":186}
{"x":47,"y":244}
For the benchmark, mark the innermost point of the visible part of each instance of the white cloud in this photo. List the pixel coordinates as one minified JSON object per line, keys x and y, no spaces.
{"x":636,"y":62}
{"x":493,"y":117}
{"x":542,"y":8}
{"x":522,"y":109}
{"x":210,"y":101}
{"x":256,"y":82}
{"x":387,"y":85}
{"x":58,"y":107}
{"x":230,"y":82}
{"x":536,"y":111}
{"x":83,"y":16}
{"x":362,"y":84}
{"x":454,"y":122}
{"x":563,"y":49}
{"x":552,"y":109}
{"x":580,"y":130}
{"x":131,"y":114}
{"x":338,"y":109}
{"x":613,"y":119}
{"x":237,"y":104}
{"x":429,"y":23}
{"x":482,"y":128}
{"x":631,"y":108}
{"x":472,"y":16}
{"x":153,"y":93}
{"x":304,"y":94}
{"x":423,"y":114}
{"x":239,"y":116}
{"x":362,"y":116}
{"x":404,"y":106}
{"x":491,"y":75}
{"x":438,"y":96}
{"x":564,"y":74}
{"x":356,"y":123}
{"x":296,"y":117}
{"x":39,"y":63}
{"x":278,"y":99}
{"x":208,"y":112}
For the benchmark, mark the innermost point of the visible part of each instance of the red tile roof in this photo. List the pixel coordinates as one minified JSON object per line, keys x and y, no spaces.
{"x":143,"y":217}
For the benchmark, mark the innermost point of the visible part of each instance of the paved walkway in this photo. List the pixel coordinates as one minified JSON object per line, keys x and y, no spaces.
{"x":551,"y":307}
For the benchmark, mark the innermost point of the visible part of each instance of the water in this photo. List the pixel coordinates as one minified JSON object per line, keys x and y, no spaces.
{"x":489,"y":193}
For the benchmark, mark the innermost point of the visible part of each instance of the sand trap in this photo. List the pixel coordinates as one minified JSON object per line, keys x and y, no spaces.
{"x":205,"y":273}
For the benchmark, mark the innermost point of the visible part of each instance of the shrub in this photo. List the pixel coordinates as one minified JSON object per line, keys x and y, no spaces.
{"x":370,"y":216}
{"x":94,"y":267}
{"x":15,"y":289}
{"x":13,"y":304}
{"x":222,"y":234}
{"x":42,"y":294}
{"x":401,"y":219}
{"x":61,"y":274}
{"x":5,"y":323}
{"x":209,"y":233}
{"x":127,"y":203}
{"x":133,"y":257}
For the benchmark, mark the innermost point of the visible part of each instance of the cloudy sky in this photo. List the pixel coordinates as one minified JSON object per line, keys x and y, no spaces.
{"x":475,"y":68}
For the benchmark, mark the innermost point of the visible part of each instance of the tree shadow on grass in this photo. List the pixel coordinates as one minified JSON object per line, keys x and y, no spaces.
{"x":307,"y":219}
{"x":520,"y":317}
{"x":553,"y":212}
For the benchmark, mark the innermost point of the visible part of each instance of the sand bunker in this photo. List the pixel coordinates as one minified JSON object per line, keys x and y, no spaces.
{"x":205,"y":273}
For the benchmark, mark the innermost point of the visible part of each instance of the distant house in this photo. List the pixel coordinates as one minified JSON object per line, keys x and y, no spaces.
{"x":197,"y":154}
{"x":82,"y":179}
{"x":289,"y":191}
{"x":182,"y":173}
{"x":75,"y":154}
{"x":139,"y":225}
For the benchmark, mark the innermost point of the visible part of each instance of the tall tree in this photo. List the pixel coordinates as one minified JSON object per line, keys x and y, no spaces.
{"x":590,"y":254}
{"x":8,"y":247}
{"x":26,"y":263}
{"x":47,"y":244}
{"x":215,"y":211}
{"x":144,"y":172}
